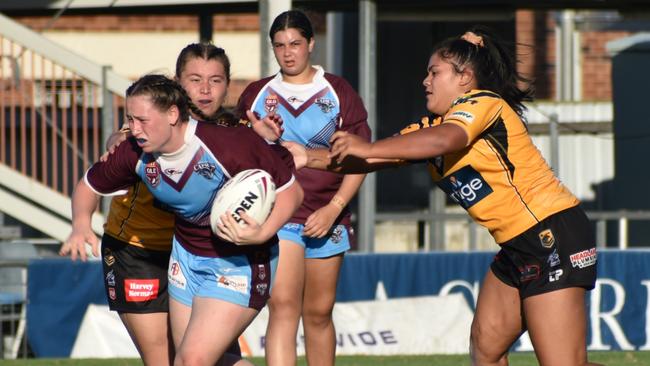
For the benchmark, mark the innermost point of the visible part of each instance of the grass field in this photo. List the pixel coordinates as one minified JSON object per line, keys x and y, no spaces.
{"x":517,"y":359}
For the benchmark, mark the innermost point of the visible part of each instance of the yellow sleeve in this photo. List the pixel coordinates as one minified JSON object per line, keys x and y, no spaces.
{"x":475,"y":114}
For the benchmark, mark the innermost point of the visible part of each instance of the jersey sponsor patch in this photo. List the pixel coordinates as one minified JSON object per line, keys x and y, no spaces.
{"x":110,"y":278}
{"x":325,"y":104}
{"x":554,"y":259}
{"x":271,"y":103}
{"x":546,"y":238}
{"x":138,"y":290}
{"x":463,"y":116}
{"x":261,"y":272}
{"x":171,"y":172}
{"x":337,"y":234}
{"x":261,"y":288}
{"x":205,"y":169}
{"x":529,"y":272}
{"x":555,"y":275}
{"x":235,"y":283}
{"x":465,"y":186}
{"x":152,"y":172}
{"x":584,"y":258}
{"x":175,"y":275}
{"x":109,"y":258}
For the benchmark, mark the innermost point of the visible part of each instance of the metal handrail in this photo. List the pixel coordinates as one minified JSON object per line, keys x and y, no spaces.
{"x":17,"y":331}
{"x":600,"y":217}
{"x":61,"y":56}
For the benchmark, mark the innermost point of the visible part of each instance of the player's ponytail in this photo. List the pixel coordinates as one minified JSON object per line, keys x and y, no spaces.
{"x":493,"y":63}
{"x":221,"y":117}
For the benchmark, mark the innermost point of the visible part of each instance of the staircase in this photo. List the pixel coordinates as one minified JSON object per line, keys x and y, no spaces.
{"x":56,"y":109}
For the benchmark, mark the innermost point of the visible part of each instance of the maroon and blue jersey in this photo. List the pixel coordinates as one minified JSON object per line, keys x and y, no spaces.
{"x":186,"y":182}
{"x":311,"y":113}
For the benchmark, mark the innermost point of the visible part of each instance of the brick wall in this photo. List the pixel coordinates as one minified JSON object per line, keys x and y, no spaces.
{"x":537,"y":28}
{"x":130,"y":23}
{"x":535,"y":38}
{"x":536,"y":51}
{"x":597,"y":64}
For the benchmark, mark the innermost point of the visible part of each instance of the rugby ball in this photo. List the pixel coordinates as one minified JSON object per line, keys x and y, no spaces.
{"x":251,"y":191}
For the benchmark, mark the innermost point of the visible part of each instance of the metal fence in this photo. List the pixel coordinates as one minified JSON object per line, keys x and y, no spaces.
{"x":432,"y":226}
{"x":50,"y":117}
{"x":13,"y":289}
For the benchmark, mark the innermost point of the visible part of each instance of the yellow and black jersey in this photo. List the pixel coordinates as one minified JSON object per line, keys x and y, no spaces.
{"x":133,"y":218}
{"x":500,"y":178}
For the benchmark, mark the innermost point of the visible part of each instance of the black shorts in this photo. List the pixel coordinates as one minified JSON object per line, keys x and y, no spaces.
{"x":557,"y":253}
{"x":135,"y":278}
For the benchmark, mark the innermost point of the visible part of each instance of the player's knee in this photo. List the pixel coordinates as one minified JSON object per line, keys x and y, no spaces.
{"x":188,"y":358}
{"x":284,"y":308}
{"x":317,"y":317}
{"x":284,"y":304}
{"x":481,"y":350}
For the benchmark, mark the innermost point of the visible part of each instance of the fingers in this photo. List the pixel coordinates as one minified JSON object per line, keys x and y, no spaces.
{"x":248,"y":219}
{"x":252,"y":116}
{"x":76,"y":245}
{"x":316,"y":226}
{"x":65,"y":249}
{"x":339,"y":150}
{"x":299,"y":153}
{"x":226,"y":227}
{"x":315,"y":231}
{"x":339,"y":145}
{"x":72,"y":248}
{"x":95,"y":248}
{"x":337,"y":135}
{"x":108,"y":153}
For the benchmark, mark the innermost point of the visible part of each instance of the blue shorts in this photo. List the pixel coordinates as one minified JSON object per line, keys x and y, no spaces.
{"x":336,"y":242}
{"x":241,"y":279}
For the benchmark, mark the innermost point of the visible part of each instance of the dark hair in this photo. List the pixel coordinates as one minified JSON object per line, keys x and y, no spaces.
{"x":207,"y":51}
{"x":292,"y":19}
{"x":164,"y":93}
{"x":494,"y":66}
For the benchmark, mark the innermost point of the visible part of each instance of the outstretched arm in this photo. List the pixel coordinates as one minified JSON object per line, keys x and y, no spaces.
{"x":84,"y":202}
{"x":422,"y":144}
{"x":320,"y":159}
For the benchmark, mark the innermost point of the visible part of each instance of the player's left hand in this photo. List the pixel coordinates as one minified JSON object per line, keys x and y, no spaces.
{"x":269,"y":127}
{"x":114,"y":140}
{"x":76,"y":244}
{"x":320,"y":222}
{"x":229,"y":229}
{"x":344,"y":144}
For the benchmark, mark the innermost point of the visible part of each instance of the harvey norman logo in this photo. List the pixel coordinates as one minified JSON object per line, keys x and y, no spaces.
{"x":141,"y":290}
{"x":465,"y":186}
